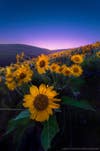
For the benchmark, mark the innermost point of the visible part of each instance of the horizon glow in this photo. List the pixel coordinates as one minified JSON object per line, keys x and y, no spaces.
{"x":53,"y":45}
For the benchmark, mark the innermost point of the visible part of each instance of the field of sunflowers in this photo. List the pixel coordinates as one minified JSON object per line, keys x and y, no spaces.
{"x":46,"y":101}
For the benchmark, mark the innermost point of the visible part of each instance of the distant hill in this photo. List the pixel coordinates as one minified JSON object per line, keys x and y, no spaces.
{"x":8,"y":52}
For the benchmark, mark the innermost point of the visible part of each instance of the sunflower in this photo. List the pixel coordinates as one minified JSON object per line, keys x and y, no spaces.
{"x":77,"y":58}
{"x":11,"y":85}
{"x":54,"y":67}
{"x":98,"y":54}
{"x":23,"y":74}
{"x":41,"y":102}
{"x":61,"y":68}
{"x":76,"y":70}
{"x":2,"y":70}
{"x":10,"y":81}
{"x":67,"y":71}
{"x":42,"y":64}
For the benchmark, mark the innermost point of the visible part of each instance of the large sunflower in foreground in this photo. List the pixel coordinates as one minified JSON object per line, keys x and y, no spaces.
{"x":42,"y":64}
{"x":76,"y":70}
{"x":77,"y":58}
{"x":41,"y":101}
{"x":23,"y":74}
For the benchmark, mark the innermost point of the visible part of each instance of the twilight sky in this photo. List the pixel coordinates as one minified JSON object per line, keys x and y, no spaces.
{"x":50,"y":24}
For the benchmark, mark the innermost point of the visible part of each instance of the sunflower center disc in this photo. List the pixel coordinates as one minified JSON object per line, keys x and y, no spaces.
{"x":67,"y":72}
{"x":76,"y":69}
{"x":22,"y":76}
{"x":41,"y":102}
{"x":77,"y":59}
{"x":42,"y":63}
{"x":53,"y":68}
{"x":61,"y":69}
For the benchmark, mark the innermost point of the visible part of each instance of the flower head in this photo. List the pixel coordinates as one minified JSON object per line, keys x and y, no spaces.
{"x":61,"y":68}
{"x":77,"y":58}
{"x":41,"y":101}
{"x":54,"y":67}
{"x":23,"y":74}
{"x":76,"y":70}
{"x":67,"y":71}
{"x":42,"y":64}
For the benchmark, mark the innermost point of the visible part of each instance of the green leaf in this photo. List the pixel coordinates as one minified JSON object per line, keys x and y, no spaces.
{"x":21,"y":119}
{"x":80,"y":104}
{"x":23,"y":114}
{"x":49,"y":131}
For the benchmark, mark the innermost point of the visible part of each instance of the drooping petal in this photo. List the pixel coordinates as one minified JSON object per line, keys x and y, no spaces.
{"x":33,"y":113}
{"x":49,"y":110}
{"x":42,"y":116}
{"x":54,"y":100}
{"x":54,"y":106}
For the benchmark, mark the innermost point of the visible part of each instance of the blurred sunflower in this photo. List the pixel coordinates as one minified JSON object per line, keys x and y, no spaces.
{"x":23,"y":74}
{"x":41,"y":101}
{"x":61,"y":68}
{"x":11,"y":85}
{"x":10,"y":81}
{"x":2,"y":70}
{"x":77,"y":58}
{"x":76,"y":70}
{"x":42,"y":64}
{"x":67,"y":71}
{"x":54,"y":67}
{"x":98,"y":54}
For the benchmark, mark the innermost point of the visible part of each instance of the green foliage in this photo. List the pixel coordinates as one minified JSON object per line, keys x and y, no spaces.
{"x":18,"y":126}
{"x":76,"y":83}
{"x":91,"y":87}
{"x":91,"y":62}
{"x":49,"y":131}
{"x":80,"y":104}
{"x":22,"y":119}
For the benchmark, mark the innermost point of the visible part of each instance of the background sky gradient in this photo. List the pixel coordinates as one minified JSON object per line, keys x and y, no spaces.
{"x":52,"y":24}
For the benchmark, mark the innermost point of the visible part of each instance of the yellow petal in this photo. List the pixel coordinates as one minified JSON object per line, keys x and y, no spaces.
{"x":42,"y":89}
{"x":33,"y":114}
{"x":54,"y":105}
{"x":28,"y":101}
{"x":54,"y":100}
{"x":51,"y":94}
{"x":49,"y":110}
{"x":34,"y":91}
{"x":42,"y":116}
